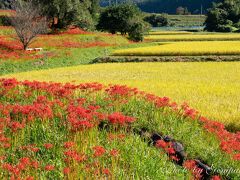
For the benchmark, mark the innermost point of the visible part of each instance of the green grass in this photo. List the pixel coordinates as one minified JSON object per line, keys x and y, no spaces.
{"x":77,"y":56}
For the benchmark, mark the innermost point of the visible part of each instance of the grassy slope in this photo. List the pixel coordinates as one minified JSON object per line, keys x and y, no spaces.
{"x":212,"y":88}
{"x":136,"y":160}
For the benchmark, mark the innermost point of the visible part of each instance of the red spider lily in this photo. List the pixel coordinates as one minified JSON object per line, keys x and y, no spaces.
{"x":230,"y":142}
{"x":2,"y":158}
{"x":170,"y":151}
{"x":120,"y":90}
{"x":192,"y":166}
{"x":30,"y":178}
{"x":162,"y":102}
{"x":119,"y":118}
{"x":48,"y":145}
{"x":106,"y":171}
{"x":75,"y":155}
{"x":14,"y":125}
{"x":6,"y":145}
{"x":7,"y":167}
{"x":237,"y":157}
{"x":35,"y":149}
{"x":98,"y":151}
{"x":114,"y":152}
{"x":161,"y":144}
{"x":112,"y":137}
{"x":75,"y":30}
{"x":68,"y":145}
{"x":35,"y":164}
{"x":216,"y":178}
{"x":66,"y":170}
{"x":25,"y":160}
{"x":49,"y":168}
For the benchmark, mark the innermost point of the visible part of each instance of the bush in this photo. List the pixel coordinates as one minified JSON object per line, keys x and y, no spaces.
{"x":157,"y":20}
{"x":137,"y":30}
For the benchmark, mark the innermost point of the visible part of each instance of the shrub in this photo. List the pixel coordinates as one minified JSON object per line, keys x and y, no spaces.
{"x":137,"y":30}
{"x":157,"y":20}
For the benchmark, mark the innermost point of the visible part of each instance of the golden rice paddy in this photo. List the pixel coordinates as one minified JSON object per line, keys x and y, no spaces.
{"x":195,"y":48}
{"x":160,"y":36}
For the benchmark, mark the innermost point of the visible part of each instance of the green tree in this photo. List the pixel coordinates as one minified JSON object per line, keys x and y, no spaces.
{"x":123,"y":18}
{"x":224,"y":16}
{"x":116,"y":18}
{"x":63,"y":13}
{"x":157,"y":20}
{"x":137,"y":30}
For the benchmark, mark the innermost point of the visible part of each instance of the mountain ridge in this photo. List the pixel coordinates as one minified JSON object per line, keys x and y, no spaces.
{"x":169,"y":6}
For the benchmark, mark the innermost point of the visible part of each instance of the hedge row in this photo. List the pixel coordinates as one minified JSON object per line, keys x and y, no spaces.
{"x":112,"y":59}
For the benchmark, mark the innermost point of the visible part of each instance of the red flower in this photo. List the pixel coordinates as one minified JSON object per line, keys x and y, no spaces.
{"x":30,"y":178}
{"x":236,"y":157}
{"x":216,"y":178}
{"x":49,"y":167}
{"x":66,"y":170}
{"x":35,"y":164}
{"x":114,"y":152}
{"x":48,"y":146}
{"x":170,"y":151}
{"x":34,"y":149}
{"x":68,"y":145}
{"x":106,"y":171}
{"x":161,"y":144}
{"x":98,"y":151}
{"x":25,"y":160}
{"x":119,"y":118}
{"x":6,"y":145}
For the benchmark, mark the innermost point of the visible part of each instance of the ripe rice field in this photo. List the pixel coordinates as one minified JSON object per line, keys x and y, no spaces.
{"x":195,"y":48}
{"x":169,"y":33}
{"x":213,"y":88}
{"x":179,"y":36}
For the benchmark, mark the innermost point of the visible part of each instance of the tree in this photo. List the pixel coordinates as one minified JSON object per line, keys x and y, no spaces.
{"x":123,"y":18}
{"x":63,"y":13}
{"x":224,"y":16}
{"x":6,"y":4}
{"x":137,"y":30}
{"x":157,"y":20}
{"x":28,"y":22}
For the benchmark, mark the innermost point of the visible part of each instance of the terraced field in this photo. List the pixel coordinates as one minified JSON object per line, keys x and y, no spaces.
{"x":183,"y":36}
{"x":195,"y":48}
